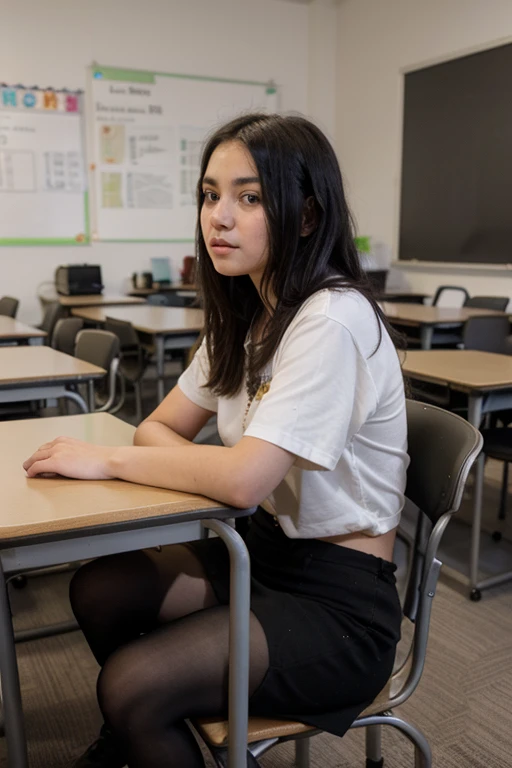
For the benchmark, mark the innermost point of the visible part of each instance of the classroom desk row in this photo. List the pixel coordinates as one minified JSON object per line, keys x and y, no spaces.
{"x":426,"y":319}
{"x":168,"y":327}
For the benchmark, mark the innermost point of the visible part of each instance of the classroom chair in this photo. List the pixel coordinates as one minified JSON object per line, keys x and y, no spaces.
{"x":450,"y":296}
{"x":65,"y":333}
{"x":100,"y":348}
{"x":52,"y":314}
{"x":377,"y":279}
{"x":9,"y":306}
{"x":498,"y":445}
{"x":133,"y":364}
{"x":497,"y":303}
{"x":442,"y":448}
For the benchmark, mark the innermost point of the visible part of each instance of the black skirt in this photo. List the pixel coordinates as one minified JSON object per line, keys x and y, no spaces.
{"x":331,"y":616}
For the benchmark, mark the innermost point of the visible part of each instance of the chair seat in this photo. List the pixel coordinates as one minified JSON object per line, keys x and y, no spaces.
{"x":498,"y":443}
{"x":215,"y":732}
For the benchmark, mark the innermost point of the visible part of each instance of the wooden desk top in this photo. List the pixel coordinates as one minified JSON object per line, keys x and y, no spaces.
{"x":463,"y":369}
{"x":149,"y":319}
{"x":87,"y":300}
{"x":418,"y":314}
{"x":12,"y":329}
{"x":22,"y":365}
{"x":43,"y":505}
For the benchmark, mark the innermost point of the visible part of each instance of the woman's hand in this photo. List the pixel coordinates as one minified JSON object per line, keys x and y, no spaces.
{"x":71,"y":458}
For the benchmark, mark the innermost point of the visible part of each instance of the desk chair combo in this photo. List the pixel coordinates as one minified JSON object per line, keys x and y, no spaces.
{"x":442,"y":448}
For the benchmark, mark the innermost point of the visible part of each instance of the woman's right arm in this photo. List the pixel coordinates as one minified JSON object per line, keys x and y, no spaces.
{"x":175,"y":422}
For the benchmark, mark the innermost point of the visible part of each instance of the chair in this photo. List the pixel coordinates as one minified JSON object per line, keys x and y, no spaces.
{"x":442,"y":448}
{"x":64,"y":334}
{"x":377,"y":279}
{"x":497,"y":303}
{"x":441,"y":296}
{"x":9,"y":306}
{"x":168,"y":300}
{"x":134,"y":361}
{"x":100,"y":348}
{"x":53,"y":312}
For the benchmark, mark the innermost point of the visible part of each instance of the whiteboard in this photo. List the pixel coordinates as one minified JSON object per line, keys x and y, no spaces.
{"x":43,"y":195}
{"x":147,"y":134}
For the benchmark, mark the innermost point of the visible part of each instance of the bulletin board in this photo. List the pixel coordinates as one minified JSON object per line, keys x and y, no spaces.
{"x":43,"y":190}
{"x":147,"y":132}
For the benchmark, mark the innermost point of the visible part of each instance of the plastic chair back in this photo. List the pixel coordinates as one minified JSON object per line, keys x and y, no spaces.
{"x":450,"y":296}
{"x":487,"y":334}
{"x":9,"y":306}
{"x":64,"y":334}
{"x":97,"y":347}
{"x":52,"y":313}
{"x":168,"y":300}
{"x":497,"y":303}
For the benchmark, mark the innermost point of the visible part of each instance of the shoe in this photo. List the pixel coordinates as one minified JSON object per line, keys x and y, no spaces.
{"x":104,"y":753}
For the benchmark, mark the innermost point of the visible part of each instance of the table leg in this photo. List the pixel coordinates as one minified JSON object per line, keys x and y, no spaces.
{"x":426,"y":332}
{"x":239,"y":609}
{"x":11,"y":695}
{"x":160,"y":355}
{"x":474,"y":417}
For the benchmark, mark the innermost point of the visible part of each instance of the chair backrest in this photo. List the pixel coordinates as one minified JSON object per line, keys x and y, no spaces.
{"x":498,"y":303}
{"x":52,"y":313}
{"x":97,"y":347}
{"x":168,"y":300}
{"x":442,"y":447}
{"x":8,"y":306}
{"x":64,"y":334}
{"x":125,"y":332}
{"x":487,"y":334}
{"x":377,"y":279}
{"x":450,"y":296}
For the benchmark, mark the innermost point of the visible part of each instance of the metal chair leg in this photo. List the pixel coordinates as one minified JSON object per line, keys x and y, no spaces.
{"x":373,"y":737}
{"x":302,"y":753}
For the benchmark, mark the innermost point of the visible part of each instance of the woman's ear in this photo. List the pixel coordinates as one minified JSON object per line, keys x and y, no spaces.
{"x":309,"y":217}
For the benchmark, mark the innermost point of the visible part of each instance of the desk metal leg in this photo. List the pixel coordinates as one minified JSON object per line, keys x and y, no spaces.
{"x":239,"y":609}
{"x":11,"y":694}
{"x":160,"y":357}
{"x":426,"y":332}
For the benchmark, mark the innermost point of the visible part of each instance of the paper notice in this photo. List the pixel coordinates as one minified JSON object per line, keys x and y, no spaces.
{"x":111,"y":190}
{"x":191,"y":144}
{"x":17,"y":171}
{"x":112,"y":143}
{"x":149,"y":190}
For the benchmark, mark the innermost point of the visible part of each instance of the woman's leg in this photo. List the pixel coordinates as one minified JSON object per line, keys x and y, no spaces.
{"x":117,"y":598}
{"x":149,"y":686}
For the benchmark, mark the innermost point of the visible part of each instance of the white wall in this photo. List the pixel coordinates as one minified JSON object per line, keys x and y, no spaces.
{"x":51,"y":42}
{"x":376,"y":40}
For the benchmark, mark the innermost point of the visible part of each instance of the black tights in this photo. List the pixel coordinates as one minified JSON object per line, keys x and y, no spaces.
{"x":155,"y":627}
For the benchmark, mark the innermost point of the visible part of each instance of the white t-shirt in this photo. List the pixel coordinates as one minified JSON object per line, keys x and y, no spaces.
{"x":337,"y":402}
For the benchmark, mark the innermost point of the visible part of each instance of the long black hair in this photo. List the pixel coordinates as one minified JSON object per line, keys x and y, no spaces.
{"x":295,"y":161}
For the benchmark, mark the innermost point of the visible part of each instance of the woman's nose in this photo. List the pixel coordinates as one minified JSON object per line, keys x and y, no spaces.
{"x":222,"y":216}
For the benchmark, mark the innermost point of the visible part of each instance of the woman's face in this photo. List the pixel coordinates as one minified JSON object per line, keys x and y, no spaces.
{"x":233,"y":220}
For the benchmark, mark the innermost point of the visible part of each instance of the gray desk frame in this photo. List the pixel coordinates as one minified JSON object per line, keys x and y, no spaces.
{"x":41,"y":551}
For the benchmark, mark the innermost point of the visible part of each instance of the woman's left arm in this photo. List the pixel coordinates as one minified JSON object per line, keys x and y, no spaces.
{"x":241,"y":476}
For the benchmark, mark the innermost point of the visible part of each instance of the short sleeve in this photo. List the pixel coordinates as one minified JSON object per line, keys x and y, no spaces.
{"x":320,"y":395}
{"x":192,"y":381}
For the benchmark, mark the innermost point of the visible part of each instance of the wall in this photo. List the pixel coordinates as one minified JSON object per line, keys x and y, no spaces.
{"x":376,"y":40}
{"x":52,"y":43}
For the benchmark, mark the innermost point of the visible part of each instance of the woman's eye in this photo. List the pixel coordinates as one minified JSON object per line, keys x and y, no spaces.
{"x":210,"y":196}
{"x":251,"y":199}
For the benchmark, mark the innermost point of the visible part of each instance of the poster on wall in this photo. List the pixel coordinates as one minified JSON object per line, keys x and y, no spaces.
{"x":43,"y":191}
{"x":148,"y":131}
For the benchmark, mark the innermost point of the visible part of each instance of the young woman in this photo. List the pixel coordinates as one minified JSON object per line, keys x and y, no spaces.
{"x":298,"y":365}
